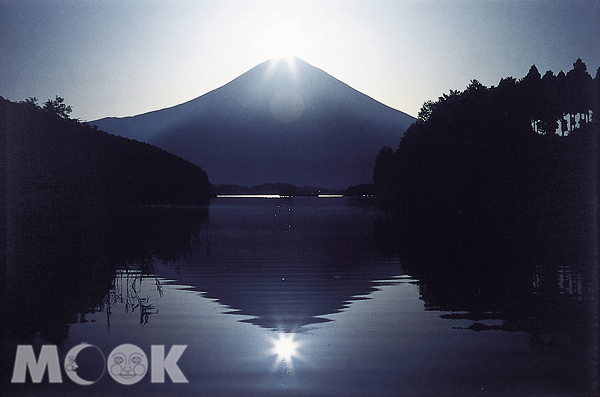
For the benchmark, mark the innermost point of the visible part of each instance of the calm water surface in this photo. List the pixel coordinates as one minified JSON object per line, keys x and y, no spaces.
{"x":295,"y":296}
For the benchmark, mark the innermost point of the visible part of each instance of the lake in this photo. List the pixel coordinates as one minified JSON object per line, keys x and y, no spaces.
{"x":282,"y":296}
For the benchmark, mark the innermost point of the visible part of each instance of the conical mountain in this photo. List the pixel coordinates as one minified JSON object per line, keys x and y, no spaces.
{"x":282,"y":121}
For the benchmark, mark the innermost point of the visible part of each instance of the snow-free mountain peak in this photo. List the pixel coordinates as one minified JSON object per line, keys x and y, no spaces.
{"x":282,"y":121}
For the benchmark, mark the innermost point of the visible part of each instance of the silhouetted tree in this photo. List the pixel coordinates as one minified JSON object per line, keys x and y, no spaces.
{"x":562,"y":110}
{"x":57,"y":107}
{"x":596,"y":94}
{"x":382,"y":174}
{"x":579,"y":89}
{"x":531,"y":92}
{"x":550,"y":114}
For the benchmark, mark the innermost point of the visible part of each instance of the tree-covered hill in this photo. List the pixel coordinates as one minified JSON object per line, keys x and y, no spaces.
{"x":54,"y":161}
{"x":498,"y":183}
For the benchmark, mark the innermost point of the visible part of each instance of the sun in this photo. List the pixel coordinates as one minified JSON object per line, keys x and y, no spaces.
{"x":282,"y":29}
{"x":283,"y":41}
{"x":280,"y":34}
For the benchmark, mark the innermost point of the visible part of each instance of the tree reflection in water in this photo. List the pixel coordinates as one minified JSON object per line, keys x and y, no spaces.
{"x":127,"y":292}
{"x":62,"y":268}
{"x":545,"y":290}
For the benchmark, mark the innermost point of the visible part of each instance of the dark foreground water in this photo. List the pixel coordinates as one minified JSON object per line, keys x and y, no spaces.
{"x":289,"y":296}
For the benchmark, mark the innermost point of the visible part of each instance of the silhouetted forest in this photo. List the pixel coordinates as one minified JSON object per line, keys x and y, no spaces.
{"x":56,"y":160}
{"x":492,"y":194}
{"x":77,"y":204}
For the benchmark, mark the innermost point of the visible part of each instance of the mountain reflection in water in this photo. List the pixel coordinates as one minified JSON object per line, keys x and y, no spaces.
{"x":295,"y":267}
{"x":285,"y":262}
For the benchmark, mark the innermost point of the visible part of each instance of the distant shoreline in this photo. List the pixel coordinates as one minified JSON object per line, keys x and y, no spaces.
{"x":271,"y":196}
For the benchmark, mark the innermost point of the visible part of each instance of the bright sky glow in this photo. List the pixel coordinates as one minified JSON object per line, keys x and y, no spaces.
{"x":119,"y":58}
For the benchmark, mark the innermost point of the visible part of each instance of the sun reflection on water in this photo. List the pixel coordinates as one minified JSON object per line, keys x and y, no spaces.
{"x":285,"y":348}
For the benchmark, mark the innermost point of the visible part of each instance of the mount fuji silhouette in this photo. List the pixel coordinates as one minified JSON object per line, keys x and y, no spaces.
{"x":282,"y":121}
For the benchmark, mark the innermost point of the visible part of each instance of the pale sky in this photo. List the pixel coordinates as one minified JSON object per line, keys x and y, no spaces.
{"x":121,"y":58}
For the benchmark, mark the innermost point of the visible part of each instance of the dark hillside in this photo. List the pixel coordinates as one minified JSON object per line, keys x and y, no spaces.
{"x":493,"y":195}
{"x":54,"y":160}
